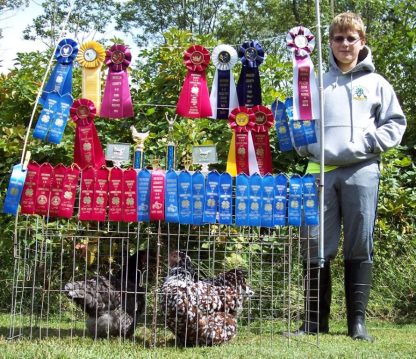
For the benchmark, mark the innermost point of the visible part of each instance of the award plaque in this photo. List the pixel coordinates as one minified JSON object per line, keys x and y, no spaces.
{"x":204,"y":155}
{"x":117,"y":153}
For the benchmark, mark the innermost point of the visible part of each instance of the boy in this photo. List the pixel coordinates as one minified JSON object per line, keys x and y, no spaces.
{"x":363,"y":118}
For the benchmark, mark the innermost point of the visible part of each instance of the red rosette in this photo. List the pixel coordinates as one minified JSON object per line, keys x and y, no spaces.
{"x":196,"y":58}
{"x":118,"y":57}
{"x":263,"y":118}
{"x":83,"y":110}
{"x":242,"y":119}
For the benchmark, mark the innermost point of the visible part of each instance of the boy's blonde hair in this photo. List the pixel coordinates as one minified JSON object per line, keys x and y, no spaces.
{"x":347,"y":21}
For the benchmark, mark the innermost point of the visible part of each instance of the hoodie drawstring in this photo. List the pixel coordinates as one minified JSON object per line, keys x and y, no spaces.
{"x":351,"y":111}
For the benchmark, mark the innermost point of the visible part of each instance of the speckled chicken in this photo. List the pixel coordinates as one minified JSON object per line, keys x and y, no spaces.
{"x":201,"y":312}
{"x":113,"y":303}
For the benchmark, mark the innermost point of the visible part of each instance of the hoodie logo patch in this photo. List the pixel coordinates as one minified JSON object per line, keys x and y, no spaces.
{"x":359,"y":93}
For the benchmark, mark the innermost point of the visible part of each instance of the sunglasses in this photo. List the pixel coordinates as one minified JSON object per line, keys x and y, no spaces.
{"x":351,"y":40}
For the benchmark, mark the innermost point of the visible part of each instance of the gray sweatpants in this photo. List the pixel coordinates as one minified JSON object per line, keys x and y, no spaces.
{"x":350,"y":200}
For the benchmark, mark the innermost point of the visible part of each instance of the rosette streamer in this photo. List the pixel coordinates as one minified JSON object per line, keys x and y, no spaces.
{"x":87,"y":146}
{"x":60,"y":80}
{"x":305,"y":91}
{"x":117,"y":99}
{"x":251,"y":55}
{"x":91,"y":56}
{"x":242,"y":156}
{"x":223,"y":93}
{"x":194,"y":97}
{"x":260,"y":132}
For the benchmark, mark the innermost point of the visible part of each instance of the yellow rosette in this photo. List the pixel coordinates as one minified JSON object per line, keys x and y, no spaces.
{"x":91,"y":56}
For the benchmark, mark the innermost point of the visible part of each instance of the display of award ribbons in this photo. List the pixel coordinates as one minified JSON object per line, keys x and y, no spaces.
{"x":91,"y":56}
{"x":241,"y":155}
{"x":223,"y":92}
{"x":87,"y":146}
{"x":305,"y":90}
{"x":194,"y":100}
{"x":251,"y":56}
{"x":260,"y":132}
{"x":117,"y":99}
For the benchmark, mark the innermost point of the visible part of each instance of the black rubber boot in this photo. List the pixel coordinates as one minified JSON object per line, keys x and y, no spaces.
{"x":315,"y":322}
{"x":358,"y":276}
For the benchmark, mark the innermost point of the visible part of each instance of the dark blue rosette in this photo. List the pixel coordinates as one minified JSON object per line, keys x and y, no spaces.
{"x":60,"y":80}
{"x":251,"y":56}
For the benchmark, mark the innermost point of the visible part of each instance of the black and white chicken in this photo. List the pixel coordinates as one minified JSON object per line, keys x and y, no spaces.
{"x":112,"y":303}
{"x":201,"y":311}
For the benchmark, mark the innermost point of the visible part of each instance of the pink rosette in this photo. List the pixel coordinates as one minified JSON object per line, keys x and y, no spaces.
{"x":300,"y":40}
{"x":305,"y":90}
{"x":196,"y":58}
{"x":194,"y":100}
{"x":118,"y":58}
{"x":117,"y":101}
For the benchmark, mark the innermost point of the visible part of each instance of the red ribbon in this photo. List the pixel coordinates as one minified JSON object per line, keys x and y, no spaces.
{"x":264,"y":121}
{"x":69,"y":191}
{"x":117,"y":98}
{"x":87,"y":194}
{"x":43,"y":189}
{"x":242,"y":121}
{"x":27,"y":202}
{"x":157,"y":195}
{"x":130,"y":195}
{"x":87,"y":147}
{"x":194,"y":97}
{"x":115,"y":200}
{"x":100,"y":195}
{"x":56,"y":189}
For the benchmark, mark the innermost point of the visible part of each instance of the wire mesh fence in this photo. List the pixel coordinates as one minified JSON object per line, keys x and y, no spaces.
{"x":102,"y":280}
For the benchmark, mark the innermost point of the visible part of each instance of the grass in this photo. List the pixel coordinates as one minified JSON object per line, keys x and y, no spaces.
{"x":391,"y":341}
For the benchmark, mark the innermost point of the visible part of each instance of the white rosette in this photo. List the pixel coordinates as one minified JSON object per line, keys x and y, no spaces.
{"x":301,"y":42}
{"x":224,"y":58}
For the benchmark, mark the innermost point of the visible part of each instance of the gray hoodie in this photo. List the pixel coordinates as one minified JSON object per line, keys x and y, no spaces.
{"x":362,"y":115}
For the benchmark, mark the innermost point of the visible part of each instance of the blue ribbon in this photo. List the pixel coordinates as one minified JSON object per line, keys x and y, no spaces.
{"x":46,"y":116}
{"x":138,"y":159}
{"x":310,"y":200}
{"x":211,"y":197}
{"x":280,"y":200}
{"x":295,"y":201}
{"x":309,"y":131}
{"x":14,"y":190}
{"x":255,"y":200}
{"x":251,"y":55}
{"x":282,"y":126}
{"x":143,"y":195}
{"x":171,"y":197}
{"x":241,"y":199}
{"x":303,"y":132}
{"x":268,"y":201}
{"x":60,"y":119}
{"x":226,"y":199}
{"x":60,"y":80}
{"x":185,"y":197}
{"x":198,"y":197}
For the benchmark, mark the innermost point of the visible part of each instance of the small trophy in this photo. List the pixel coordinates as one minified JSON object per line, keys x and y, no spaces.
{"x":170,"y":150}
{"x":138,"y":138}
